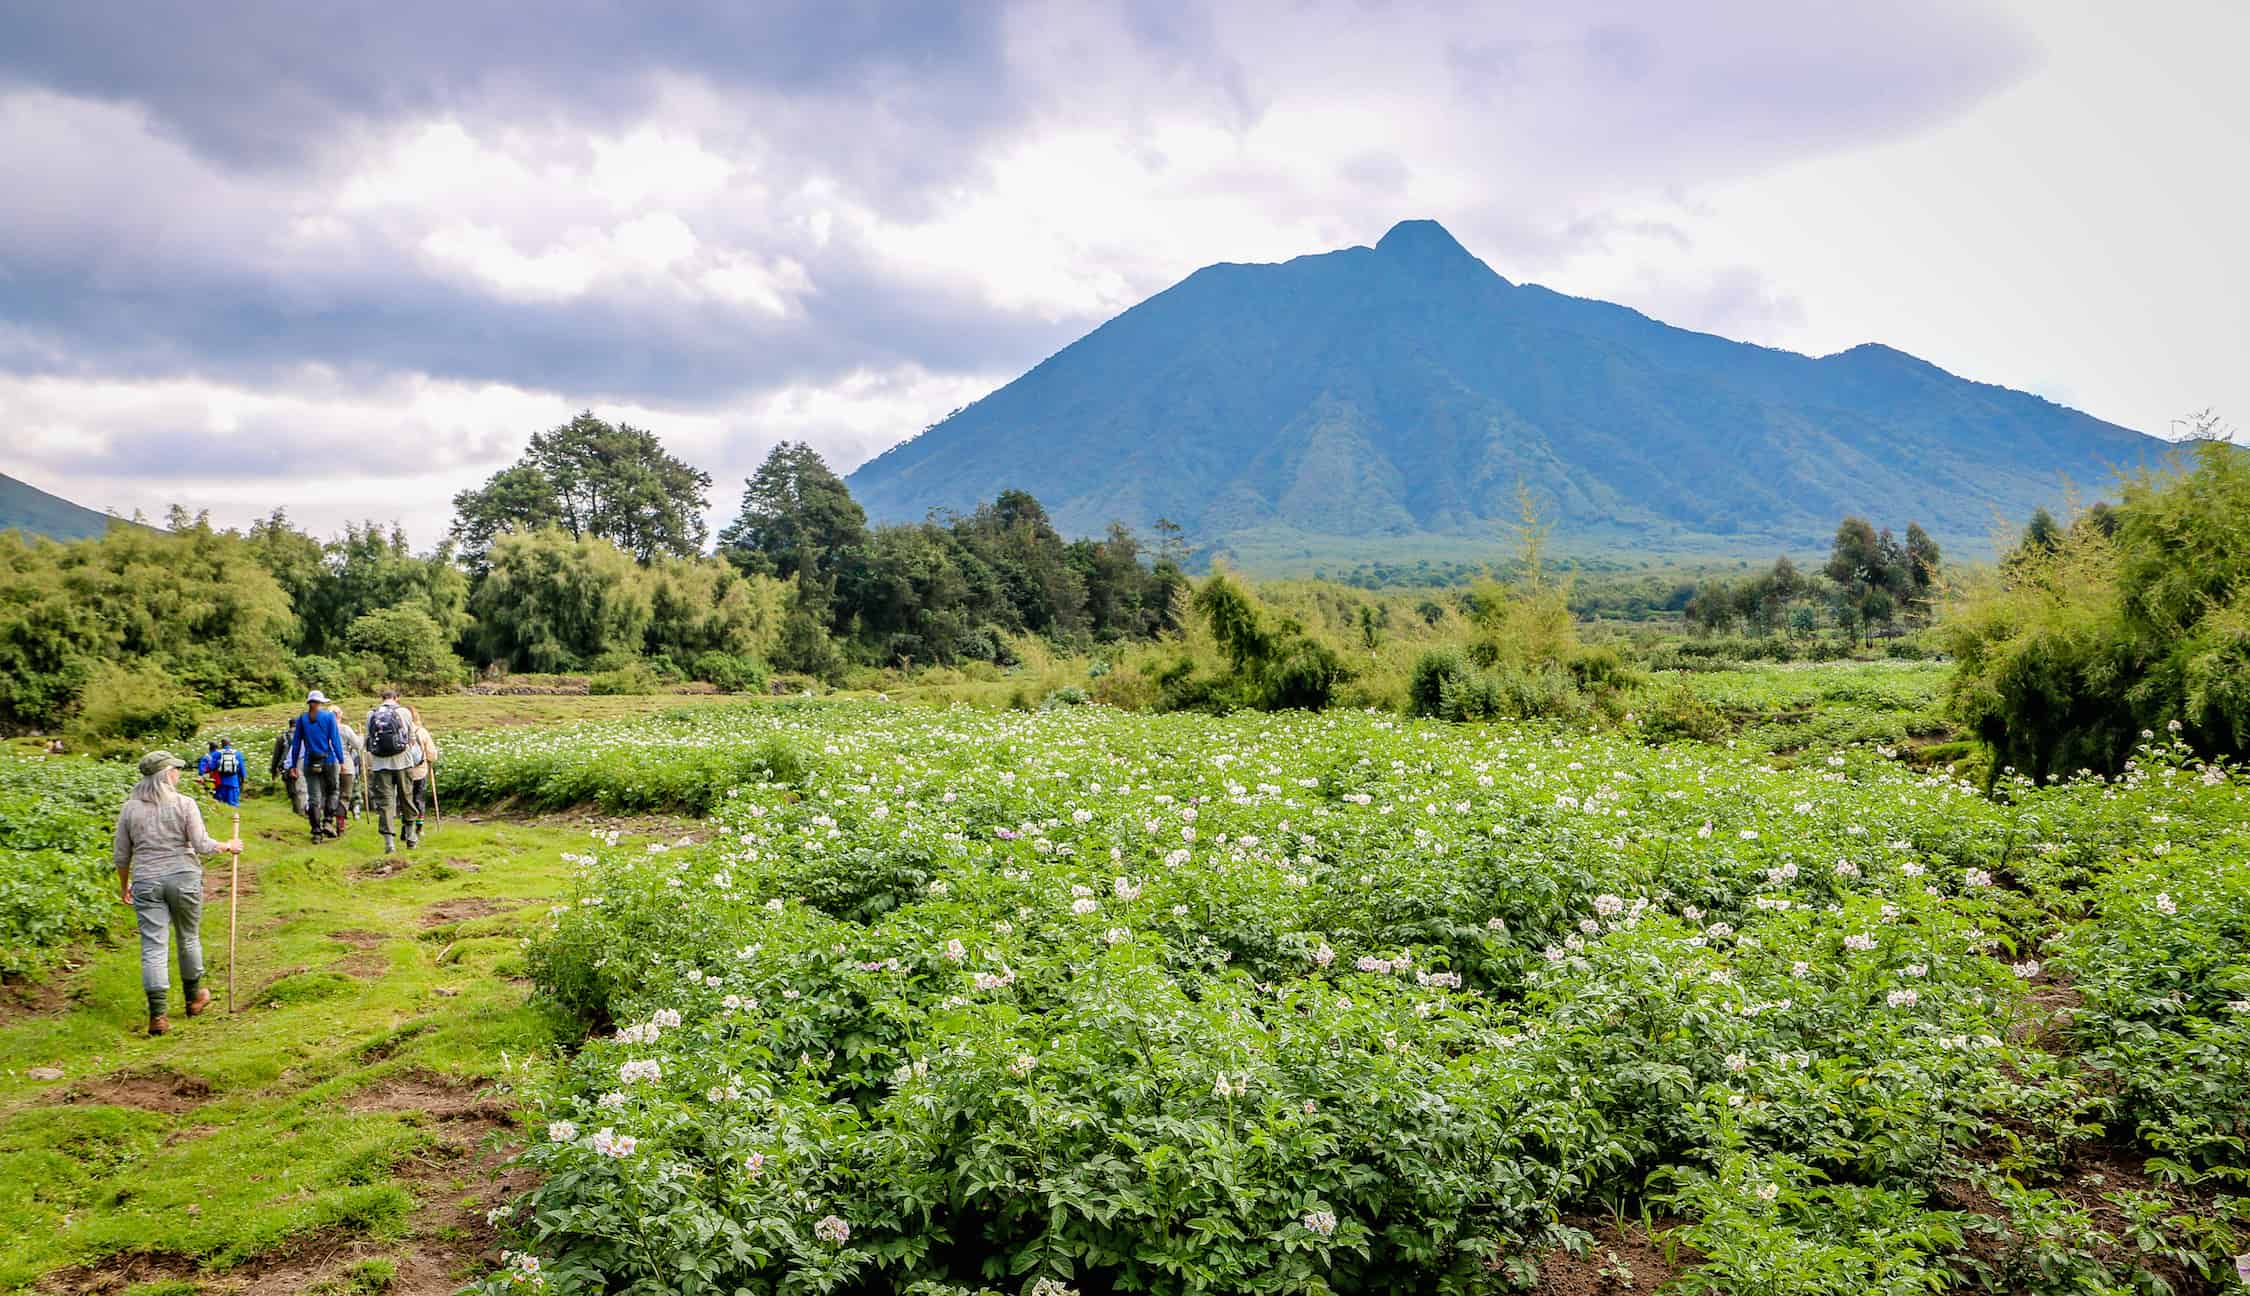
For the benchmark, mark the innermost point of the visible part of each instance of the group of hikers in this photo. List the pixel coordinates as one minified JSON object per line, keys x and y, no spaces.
{"x":335,"y":772}
{"x":326,"y":765}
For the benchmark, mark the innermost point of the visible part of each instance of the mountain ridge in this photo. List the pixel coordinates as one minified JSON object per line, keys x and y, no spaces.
{"x":26,"y":508}
{"x":1404,"y":389}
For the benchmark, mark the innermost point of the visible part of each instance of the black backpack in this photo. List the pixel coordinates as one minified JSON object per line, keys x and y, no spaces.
{"x":230,"y":762}
{"x":386,"y":732}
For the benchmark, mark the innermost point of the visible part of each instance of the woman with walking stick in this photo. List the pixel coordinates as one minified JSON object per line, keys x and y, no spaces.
{"x":158,"y":852}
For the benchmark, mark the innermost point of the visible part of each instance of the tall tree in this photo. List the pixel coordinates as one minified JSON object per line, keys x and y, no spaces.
{"x":798,"y":519}
{"x":595,"y":480}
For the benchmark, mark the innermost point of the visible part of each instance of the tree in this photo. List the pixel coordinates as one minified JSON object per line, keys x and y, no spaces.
{"x":550,"y":601}
{"x":1856,"y":560}
{"x":415,"y":651}
{"x":593,"y":479}
{"x":517,"y":498}
{"x":797,"y":520}
{"x":2083,"y":650}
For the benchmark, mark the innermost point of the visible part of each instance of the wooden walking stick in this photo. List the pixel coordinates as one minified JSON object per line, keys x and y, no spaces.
{"x":234,"y":893}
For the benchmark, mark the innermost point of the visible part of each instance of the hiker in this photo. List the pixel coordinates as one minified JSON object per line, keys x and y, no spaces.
{"x":391,"y":756}
{"x":55,"y":747}
{"x":280,"y":766}
{"x":226,"y":774}
{"x":348,"y":782}
{"x":316,"y":758}
{"x":159,"y":848}
{"x":205,"y":764}
{"x":425,"y":791}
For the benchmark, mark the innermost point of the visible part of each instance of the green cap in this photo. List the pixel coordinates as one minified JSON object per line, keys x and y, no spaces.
{"x":156,"y":762}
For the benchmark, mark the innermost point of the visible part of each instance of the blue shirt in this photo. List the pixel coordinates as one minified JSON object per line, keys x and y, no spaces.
{"x":218,"y":771}
{"x":315,"y":736}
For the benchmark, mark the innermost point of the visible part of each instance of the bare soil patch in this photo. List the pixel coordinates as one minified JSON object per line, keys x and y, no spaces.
{"x":359,"y":938}
{"x":447,"y":912}
{"x":22,"y":997}
{"x":161,"y":1090}
{"x":116,"y":1273}
{"x":364,"y":966}
{"x":442,"y":1097}
{"x":1624,"y":1259}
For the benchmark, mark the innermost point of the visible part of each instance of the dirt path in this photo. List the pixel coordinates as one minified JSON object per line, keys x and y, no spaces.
{"x":347,"y":1127}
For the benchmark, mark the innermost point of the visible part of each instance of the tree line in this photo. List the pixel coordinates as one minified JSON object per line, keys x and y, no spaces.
{"x":586,"y":555}
{"x":1872,"y":583}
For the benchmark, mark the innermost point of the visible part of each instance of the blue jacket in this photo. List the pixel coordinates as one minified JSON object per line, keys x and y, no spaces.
{"x":213,"y":767}
{"x":315,"y":737}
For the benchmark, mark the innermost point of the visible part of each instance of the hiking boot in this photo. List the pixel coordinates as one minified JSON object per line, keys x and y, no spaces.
{"x":159,"y":1025}
{"x":201,"y":1001}
{"x":387,"y":848}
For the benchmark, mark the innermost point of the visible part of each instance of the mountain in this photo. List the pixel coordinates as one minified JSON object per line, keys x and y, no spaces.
{"x":27,"y":508}
{"x":1397,"y":395}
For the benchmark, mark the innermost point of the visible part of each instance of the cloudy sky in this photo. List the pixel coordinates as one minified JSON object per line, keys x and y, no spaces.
{"x":347,"y":258}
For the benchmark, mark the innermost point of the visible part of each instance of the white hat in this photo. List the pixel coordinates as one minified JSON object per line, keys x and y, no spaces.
{"x":316,"y":696}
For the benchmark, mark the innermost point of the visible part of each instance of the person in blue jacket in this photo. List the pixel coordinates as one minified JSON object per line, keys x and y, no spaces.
{"x":226,"y":773}
{"x":205,"y":764}
{"x":316,"y":757}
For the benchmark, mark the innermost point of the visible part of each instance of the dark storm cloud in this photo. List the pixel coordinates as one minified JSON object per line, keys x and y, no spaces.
{"x":249,"y":329}
{"x":273,"y":82}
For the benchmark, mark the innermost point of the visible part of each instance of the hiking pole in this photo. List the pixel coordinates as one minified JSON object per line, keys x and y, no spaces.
{"x":234,"y":893}
{"x":435,"y":808}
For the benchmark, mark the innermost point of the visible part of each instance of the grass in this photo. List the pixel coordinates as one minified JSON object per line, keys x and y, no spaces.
{"x":311,"y":1115}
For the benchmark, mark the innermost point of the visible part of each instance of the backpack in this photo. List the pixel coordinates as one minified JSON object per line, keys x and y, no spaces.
{"x":386,"y":732}
{"x":230,"y":763}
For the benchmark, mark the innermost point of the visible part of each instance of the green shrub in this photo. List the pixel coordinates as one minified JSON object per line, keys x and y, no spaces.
{"x":1435,"y":673}
{"x":636,"y":679}
{"x":140,"y":705}
{"x":731,"y":672}
{"x":408,"y":647}
{"x":1677,"y":711}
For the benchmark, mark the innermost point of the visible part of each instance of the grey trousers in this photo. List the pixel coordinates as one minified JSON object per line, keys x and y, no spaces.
{"x":394,"y":803}
{"x":171,"y":903}
{"x":320,"y":797}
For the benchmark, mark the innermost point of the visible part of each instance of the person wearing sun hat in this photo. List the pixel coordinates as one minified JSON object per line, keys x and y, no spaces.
{"x":316,"y":757}
{"x":159,"y":850}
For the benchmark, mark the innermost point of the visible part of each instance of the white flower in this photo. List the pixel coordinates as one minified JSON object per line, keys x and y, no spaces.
{"x":666,"y":1017}
{"x":1321,"y":1222}
{"x":1051,"y":1287}
{"x":1737,"y":1063}
{"x":2027,"y":969}
{"x":1800,"y":968}
{"x":634,"y":1072}
{"x":1083,"y":907}
{"x":1976,"y":878}
{"x":1022,"y":1066}
{"x":1238,"y":1087}
{"x":562,"y":1131}
{"x":1917,"y":969}
{"x":1125,"y":889}
{"x":1767,"y":1192}
{"x":610,"y":1143}
{"x":1323,"y":956}
{"x":1902,"y":998}
{"x":2166,"y":905}
{"x":610,"y":1101}
{"x":1859,"y":941}
{"x":1606,"y":905}
{"x":832,"y":1230}
{"x":955,"y":951}
{"x":1912,"y":868}
{"x":1116,"y":936}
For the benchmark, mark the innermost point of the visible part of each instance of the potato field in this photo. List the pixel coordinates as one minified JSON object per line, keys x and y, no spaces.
{"x":1082,"y":1001}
